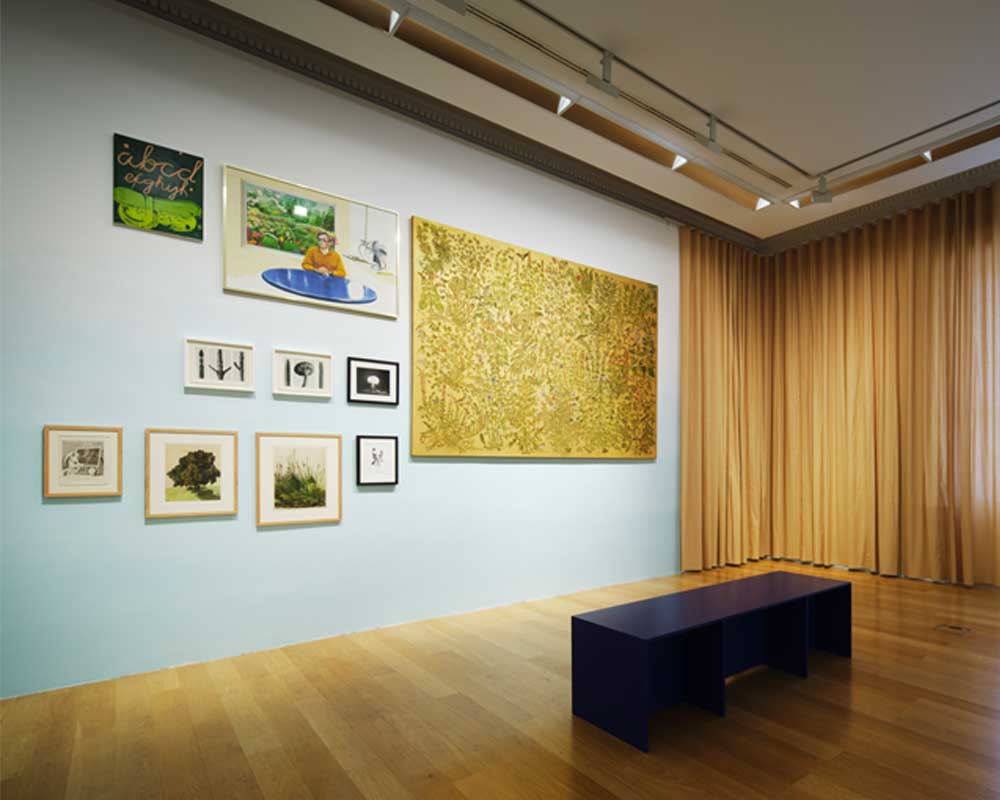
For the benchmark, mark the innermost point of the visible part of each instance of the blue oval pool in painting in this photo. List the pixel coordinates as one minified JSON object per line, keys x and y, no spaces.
{"x":307,"y":283}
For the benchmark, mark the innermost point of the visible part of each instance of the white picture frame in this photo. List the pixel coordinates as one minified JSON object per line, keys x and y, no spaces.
{"x":315,"y":461}
{"x":296,"y":373}
{"x":218,"y":366}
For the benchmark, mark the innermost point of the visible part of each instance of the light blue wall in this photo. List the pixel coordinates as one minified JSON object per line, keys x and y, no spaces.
{"x":94,"y":317}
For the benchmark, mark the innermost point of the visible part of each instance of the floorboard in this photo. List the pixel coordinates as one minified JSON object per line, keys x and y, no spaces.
{"x":477,"y":706}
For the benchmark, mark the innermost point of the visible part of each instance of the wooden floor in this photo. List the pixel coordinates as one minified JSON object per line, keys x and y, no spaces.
{"x":478,"y":706}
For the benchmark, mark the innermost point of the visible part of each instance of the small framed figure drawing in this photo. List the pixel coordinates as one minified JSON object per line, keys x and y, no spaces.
{"x":81,"y":461}
{"x":218,"y":365}
{"x":191,"y":473}
{"x":378,"y":463}
{"x":372,"y":381}
{"x":294,"y":373}
{"x":298,"y":478}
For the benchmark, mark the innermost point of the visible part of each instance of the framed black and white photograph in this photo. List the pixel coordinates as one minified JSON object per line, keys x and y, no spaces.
{"x":298,"y":374}
{"x":222,"y":366}
{"x":372,"y":381}
{"x":378,"y":462}
{"x":81,"y":461}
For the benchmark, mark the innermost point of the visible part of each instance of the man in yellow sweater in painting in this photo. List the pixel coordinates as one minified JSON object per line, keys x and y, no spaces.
{"x":323,"y":258}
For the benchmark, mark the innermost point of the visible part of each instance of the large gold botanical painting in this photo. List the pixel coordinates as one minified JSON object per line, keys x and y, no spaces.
{"x":520,"y":354}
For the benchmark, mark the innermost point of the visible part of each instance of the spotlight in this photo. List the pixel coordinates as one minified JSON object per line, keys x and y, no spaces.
{"x":396,"y":19}
{"x":604,"y":82}
{"x":821,"y":194}
{"x":564,"y":104}
{"x":928,"y":156}
{"x":761,"y":203}
{"x":795,"y":203}
{"x":679,"y":161}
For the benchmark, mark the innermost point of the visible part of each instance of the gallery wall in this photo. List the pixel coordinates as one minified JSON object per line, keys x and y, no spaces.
{"x":94,"y":318}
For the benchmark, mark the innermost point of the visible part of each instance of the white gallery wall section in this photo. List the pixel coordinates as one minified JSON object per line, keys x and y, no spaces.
{"x":95,"y":317}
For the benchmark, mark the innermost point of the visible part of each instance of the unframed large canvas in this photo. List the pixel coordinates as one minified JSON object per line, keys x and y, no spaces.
{"x":521,"y":354}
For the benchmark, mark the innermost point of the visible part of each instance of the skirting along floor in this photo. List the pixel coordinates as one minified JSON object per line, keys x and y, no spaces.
{"x":478,"y":706}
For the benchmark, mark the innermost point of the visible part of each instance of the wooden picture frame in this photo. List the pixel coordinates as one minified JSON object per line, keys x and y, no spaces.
{"x":367,"y":470}
{"x":303,"y":461}
{"x":67,"y":473}
{"x":168,"y":447}
{"x":296,"y":373}
{"x":365,"y":378}
{"x":233,"y":366}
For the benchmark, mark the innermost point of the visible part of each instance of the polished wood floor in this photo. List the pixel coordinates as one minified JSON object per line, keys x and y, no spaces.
{"x":478,"y":706}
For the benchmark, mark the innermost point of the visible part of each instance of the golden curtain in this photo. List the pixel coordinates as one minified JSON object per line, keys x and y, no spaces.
{"x":841,"y":401}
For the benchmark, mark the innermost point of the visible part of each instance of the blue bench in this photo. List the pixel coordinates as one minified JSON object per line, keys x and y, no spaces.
{"x":634,"y":659}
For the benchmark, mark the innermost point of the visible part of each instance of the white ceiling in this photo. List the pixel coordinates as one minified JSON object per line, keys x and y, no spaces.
{"x":818,"y":83}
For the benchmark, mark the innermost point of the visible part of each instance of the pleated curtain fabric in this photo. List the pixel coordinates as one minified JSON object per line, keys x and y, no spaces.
{"x":841,"y":401}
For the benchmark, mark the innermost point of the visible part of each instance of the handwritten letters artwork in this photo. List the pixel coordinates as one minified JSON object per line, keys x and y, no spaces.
{"x":157,"y":188}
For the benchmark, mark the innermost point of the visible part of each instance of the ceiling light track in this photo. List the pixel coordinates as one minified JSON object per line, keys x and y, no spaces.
{"x":663,"y":87}
{"x":474,"y":11}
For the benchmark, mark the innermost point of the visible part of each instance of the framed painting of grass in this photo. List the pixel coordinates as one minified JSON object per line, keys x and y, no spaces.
{"x":298,"y":478}
{"x":191,"y":473}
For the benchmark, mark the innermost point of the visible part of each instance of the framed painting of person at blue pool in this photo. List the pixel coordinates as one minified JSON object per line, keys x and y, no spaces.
{"x":289,"y":242}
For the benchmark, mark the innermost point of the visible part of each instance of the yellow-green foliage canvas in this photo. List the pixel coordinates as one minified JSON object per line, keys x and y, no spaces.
{"x":519,"y":354}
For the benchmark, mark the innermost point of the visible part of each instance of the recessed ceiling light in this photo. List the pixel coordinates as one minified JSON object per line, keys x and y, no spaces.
{"x":795,"y":203}
{"x":395,"y":20}
{"x":564,"y":104}
{"x":679,"y":161}
{"x":762,"y":203}
{"x":928,"y":156}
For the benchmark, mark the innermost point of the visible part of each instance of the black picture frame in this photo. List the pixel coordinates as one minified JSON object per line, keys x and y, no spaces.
{"x":358,"y":448}
{"x":356,"y":376}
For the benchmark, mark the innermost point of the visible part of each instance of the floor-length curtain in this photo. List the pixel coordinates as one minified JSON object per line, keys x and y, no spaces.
{"x":841,"y":401}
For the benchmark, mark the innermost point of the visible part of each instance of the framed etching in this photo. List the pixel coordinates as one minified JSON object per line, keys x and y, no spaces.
{"x":372,"y":381}
{"x":520,"y":354}
{"x":298,"y":374}
{"x":191,"y":473}
{"x":298,"y":478}
{"x":289,"y":242}
{"x":81,"y":461}
{"x":220,"y":366}
{"x":377,"y":460}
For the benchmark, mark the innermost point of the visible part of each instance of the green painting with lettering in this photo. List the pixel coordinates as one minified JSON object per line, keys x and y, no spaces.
{"x":157,"y":188}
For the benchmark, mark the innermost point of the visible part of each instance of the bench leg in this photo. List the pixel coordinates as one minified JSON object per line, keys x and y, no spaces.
{"x":705,"y":681}
{"x":832,"y":621}
{"x":611,"y":675}
{"x":787,"y":637}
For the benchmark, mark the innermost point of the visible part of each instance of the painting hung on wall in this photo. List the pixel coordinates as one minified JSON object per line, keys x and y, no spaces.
{"x":520,"y":354}
{"x":81,"y":461}
{"x":289,"y":242}
{"x":190,"y":473}
{"x":157,"y":188}
{"x":218,"y":365}
{"x":377,"y":460}
{"x":298,"y":478}
{"x":372,"y":381}
{"x":294,"y":373}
